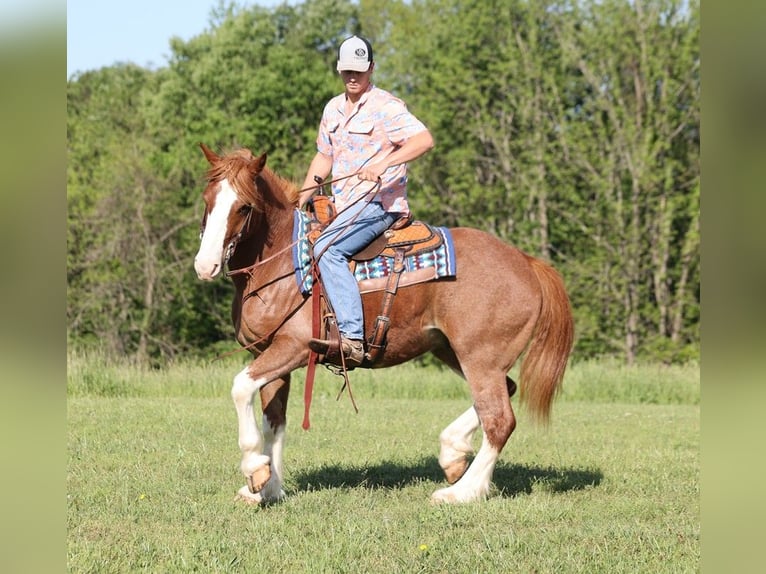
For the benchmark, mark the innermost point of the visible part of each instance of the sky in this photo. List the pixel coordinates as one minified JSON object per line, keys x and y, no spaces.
{"x":102,"y":32}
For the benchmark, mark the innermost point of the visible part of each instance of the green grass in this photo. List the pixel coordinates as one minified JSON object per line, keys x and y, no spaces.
{"x":609,"y":487}
{"x":591,"y":381}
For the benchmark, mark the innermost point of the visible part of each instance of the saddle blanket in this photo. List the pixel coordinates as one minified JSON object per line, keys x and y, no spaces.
{"x":372,"y":274}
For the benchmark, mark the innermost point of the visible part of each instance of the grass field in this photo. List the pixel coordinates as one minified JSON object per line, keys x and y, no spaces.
{"x":611,"y":486}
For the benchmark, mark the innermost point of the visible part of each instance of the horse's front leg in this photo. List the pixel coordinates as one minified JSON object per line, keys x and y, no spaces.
{"x":269,"y":373}
{"x":255,"y":463}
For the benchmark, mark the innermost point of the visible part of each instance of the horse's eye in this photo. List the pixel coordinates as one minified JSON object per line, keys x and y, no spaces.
{"x":244,"y":209}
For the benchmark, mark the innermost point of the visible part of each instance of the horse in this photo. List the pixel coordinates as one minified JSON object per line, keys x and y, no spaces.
{"x":502,"y":304}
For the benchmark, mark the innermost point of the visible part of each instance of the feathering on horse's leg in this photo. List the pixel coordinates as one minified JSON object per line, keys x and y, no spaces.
{"x":474,"y":485}
{"x":255,"y":465}
{"x":273,"y":448}
{"x":455,"y":441}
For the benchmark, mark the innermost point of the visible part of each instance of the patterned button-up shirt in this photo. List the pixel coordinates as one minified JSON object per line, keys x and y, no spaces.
{"x":378,"y":124}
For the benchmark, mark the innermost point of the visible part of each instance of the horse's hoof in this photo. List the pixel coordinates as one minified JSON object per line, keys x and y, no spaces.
{"x":244,"y":495}
{"x":443,"y":496}
{"x":456,"y":495}
{"x":259,"y":478}
{"x":455,"y":471}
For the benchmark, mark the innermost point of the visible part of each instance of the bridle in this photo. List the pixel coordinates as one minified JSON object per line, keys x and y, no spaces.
{"x":232,"y":244}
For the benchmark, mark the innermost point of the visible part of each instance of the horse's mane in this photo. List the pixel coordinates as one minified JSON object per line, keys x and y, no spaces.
{"x":234,"y":167}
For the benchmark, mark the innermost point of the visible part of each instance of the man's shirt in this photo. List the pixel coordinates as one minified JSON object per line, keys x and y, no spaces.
{"x":378,"y":124}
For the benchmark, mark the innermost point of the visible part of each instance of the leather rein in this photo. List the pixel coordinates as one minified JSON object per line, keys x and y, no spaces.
{"x":246,"y":224}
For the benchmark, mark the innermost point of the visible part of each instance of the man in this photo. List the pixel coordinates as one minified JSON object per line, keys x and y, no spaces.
{"x":365,"y":138}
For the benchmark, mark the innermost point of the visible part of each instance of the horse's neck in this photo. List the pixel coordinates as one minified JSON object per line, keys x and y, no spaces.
{"x":282,"y":191}
{"x":267,"y":293}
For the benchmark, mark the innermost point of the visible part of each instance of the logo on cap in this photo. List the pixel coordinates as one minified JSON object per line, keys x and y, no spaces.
{"x":354,"y":54}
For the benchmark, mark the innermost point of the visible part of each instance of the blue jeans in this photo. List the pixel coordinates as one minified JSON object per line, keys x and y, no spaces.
{"x":335,"y":246}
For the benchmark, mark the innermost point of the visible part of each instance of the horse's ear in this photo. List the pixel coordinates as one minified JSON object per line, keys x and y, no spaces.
{"x":260,"y":162}
{"x":211,"y":156}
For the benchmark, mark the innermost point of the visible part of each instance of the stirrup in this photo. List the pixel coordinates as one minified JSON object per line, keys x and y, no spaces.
{"x":353,"y":351}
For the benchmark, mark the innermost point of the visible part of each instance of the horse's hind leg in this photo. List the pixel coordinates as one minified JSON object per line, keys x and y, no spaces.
{"x":455,"y":440}
{"x":492,"y":408}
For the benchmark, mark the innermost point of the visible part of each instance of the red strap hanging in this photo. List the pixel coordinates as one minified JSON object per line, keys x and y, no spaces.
{"x":315,"y":323}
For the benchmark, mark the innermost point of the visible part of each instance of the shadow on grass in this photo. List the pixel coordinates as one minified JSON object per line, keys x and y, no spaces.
{"x":510,"y":479}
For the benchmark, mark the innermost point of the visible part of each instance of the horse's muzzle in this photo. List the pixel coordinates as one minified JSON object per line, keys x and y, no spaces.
{"x":207,"y":271}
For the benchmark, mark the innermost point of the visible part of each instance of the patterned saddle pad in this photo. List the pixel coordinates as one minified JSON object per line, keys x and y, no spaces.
{"x":425,"y":265}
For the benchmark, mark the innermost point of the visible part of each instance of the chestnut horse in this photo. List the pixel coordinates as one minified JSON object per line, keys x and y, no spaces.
{"x":501,"y":303}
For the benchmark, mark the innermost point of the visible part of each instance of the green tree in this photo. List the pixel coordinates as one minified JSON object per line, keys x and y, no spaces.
{"x":124,"y":252}
{"x":257,"y":78}
{"x":635,"y":142}
{"x":572,"y":131}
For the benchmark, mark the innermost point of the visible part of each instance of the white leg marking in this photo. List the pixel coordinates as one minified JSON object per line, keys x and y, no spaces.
{"x":475,"y":483}
{"x":250,"y":439}
{"x":274,"y":448}
{"x":209,"y":258}
{"x":456,"y":439}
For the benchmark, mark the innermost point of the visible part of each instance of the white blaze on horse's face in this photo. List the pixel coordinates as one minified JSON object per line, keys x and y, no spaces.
{"x":209,"y":260}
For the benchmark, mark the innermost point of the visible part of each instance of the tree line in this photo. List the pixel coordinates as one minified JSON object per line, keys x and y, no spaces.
{"x":568,"y":128}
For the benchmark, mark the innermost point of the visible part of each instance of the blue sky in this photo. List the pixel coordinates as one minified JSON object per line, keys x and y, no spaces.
{"x":103,"y":32}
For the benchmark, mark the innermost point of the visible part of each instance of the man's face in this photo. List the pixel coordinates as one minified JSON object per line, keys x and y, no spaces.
{"x":356,"y":82}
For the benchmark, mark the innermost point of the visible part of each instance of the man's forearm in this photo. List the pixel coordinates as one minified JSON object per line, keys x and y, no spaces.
{"x":412,"y":149}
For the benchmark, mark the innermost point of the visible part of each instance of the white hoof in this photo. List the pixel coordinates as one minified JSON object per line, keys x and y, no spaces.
{"x":265,"y":496}
{"x":244,"y":495}
{"x":452,"y":495}
{"x":442,"y":496}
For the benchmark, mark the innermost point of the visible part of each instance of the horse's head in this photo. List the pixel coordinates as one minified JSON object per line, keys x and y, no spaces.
{"x":230,"y":200}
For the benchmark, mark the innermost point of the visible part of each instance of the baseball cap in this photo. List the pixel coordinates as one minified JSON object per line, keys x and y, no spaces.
{"x":355,"y":54}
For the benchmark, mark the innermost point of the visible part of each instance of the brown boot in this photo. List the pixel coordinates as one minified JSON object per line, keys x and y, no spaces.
{"x":353,"y":351}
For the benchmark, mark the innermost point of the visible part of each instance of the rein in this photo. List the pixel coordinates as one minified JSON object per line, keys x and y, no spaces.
{"x":261,"y":262}
{"x":321,"y":183}
{"x":238,"y":236}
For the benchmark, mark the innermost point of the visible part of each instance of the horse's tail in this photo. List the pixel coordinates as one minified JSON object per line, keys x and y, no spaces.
{"x":545,"y":360}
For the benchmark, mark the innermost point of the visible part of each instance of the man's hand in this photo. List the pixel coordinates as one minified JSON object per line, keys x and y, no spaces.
{"x":372,"y":172}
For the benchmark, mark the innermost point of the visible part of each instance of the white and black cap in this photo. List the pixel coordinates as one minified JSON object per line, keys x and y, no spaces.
{"x":355,"y":54}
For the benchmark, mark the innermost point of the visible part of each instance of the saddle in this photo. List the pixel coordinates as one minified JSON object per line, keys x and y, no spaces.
{"x":412,"y":237}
